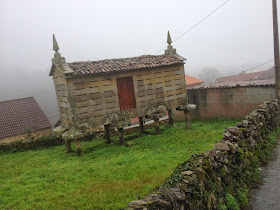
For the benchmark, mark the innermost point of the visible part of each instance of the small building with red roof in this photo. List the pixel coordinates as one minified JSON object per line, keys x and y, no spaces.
{"x":21,"y":119}
{"x":191,"y":81}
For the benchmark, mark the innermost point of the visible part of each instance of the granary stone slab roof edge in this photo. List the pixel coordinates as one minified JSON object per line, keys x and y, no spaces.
{"x":109,"y":66}
{"x":64,"y":68}
{"x":114,"y":65}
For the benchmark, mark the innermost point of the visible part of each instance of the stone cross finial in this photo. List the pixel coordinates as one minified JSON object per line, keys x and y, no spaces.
{"x":169,"y":40}
{"x":170,"y":50}
{"x":57,"y":57}
{"x":55,"y":45}
{"x":60,"y":61}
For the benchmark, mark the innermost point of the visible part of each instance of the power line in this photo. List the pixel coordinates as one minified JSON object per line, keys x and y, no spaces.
{"x":197,"y":24}
{"x":260,"y":65}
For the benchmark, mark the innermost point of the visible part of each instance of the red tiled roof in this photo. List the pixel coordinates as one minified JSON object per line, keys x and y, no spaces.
{"x":253,"y":83}
{"x":269,"y":74}
{"x":123,"y":64}
{"x":192,"y":81}
{"x":15,"y":115}
{"x":240,"y":77}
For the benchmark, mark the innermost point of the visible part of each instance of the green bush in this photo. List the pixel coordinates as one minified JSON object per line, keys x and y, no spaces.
{"x":31,"y":144}
{"x":242,"y":196}
{"x":231,"y":202}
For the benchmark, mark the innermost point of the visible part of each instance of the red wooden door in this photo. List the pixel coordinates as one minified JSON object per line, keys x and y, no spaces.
{"x":126,"y":93}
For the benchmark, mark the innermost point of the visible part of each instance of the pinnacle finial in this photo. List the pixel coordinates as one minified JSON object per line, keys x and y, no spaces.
{"x":169,"y":40}
{"x":55,"y":45}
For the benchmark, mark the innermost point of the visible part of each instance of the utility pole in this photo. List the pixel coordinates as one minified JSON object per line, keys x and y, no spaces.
{"x":276,"y":48}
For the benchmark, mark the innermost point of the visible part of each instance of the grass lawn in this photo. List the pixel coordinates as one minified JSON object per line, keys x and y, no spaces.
{"x":106,"y":176}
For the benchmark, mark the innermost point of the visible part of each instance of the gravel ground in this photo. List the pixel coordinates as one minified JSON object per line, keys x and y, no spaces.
{"x":267,"y":196}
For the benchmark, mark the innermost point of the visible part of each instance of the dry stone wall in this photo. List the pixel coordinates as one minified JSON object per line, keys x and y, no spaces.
{"x":202,"y":181}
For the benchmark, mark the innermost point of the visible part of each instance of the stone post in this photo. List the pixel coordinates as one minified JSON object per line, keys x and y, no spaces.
{"x":187,"y":108}
{"x":68,"y":146}
{"x":187,"y":118}
{"x":78,"y":147}
{"x":141,"y":125}
{"x":157,"y":126}
{"x":107,"y":134}
{"x":121,"y":137}
{"x":170,"y":117}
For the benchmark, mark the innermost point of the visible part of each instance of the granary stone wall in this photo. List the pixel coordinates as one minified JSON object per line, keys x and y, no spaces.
{"x":35,"y":134}
{"x":93,"y":98}
{"x":228,"y":101}
{"x":62,"y":95}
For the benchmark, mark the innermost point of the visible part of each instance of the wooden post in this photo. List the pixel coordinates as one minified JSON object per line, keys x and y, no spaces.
{"x":276,"y":48}
{"x":170,"y":117}
{"x":187,"y":118}
{"x":121,"y":138}
{"x":78,"y":147}
{"x":107,"y":134}
{"x":141,"y":125}
{"x":157,"y":126}
{"x":68,"y":146}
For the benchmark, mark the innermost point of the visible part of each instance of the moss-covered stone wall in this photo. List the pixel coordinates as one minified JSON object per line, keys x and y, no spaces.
{"x":220,"y":178}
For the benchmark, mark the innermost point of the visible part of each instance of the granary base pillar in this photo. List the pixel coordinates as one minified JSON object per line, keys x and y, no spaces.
{"x":68,"y":146}
{"x":187,"y":118}
{"x":170,"y":117}
{"x":141,"y":125}
{"x":107,"y":134}
{"x":78,"y":147}
{"x":157,"y":125}
{"x":121,"y":138}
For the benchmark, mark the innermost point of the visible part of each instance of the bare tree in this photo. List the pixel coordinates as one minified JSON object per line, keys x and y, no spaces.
{"x":29,"y":129}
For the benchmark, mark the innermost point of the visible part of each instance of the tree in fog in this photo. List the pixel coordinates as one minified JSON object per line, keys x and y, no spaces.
{"x":209,"y":74}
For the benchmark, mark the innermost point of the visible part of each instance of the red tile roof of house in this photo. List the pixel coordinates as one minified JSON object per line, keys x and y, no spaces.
{"x":123,"y":64}
{"x":15,"y":115}
{"x":190,"y":81}
{"x":269,"y":74}
{"x":240,"y":77}
{"x":235,"y":84}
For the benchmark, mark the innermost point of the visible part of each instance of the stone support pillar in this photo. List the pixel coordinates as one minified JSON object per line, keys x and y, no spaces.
{"x":121,"y":136}
{"x":141,"y":125}
{"x":68,"y":146}
{"x":78,"y":147}
{"x":157,"y":126}
{"x":107,"y":134}
{"x":170,"y":117}
{"x":187,"y":118}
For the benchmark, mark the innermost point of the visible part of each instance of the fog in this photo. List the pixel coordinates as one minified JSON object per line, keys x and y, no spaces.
{"x":235,"y":38}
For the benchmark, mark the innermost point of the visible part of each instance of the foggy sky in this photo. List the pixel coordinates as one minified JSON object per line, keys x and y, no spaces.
{"x":235,"y":38}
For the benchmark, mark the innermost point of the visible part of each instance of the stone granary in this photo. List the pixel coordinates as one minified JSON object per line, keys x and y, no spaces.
{"x":113,"y":91}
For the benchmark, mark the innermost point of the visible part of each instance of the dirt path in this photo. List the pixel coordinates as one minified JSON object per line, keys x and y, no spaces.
{"x":267,"y":197}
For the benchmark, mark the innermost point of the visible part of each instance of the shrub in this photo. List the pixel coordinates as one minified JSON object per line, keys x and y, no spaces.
{"x":31,"y":144}
{"x":231,"y":202}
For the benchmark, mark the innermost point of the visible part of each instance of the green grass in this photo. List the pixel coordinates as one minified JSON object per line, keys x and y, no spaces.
{"x":106,"y":176}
